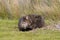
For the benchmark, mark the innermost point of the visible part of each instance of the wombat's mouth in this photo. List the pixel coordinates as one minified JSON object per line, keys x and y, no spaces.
{"x":27,"y":29}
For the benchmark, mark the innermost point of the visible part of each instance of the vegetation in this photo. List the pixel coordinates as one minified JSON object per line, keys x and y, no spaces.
{"x":9,"y":31}
{"x":14,"y":9}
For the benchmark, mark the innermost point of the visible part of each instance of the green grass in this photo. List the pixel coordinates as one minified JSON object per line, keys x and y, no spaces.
{"x":9,"y":31}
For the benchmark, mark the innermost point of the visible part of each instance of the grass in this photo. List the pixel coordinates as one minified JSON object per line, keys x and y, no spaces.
{"x":9,"y":31}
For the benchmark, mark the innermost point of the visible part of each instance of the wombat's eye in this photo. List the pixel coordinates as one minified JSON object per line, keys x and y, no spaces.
{"x":37,"y":16}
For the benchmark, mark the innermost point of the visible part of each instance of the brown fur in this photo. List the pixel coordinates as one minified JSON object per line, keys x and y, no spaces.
{"x":31,"y":22}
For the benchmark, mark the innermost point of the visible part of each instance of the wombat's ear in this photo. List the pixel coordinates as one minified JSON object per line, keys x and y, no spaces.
{"x":27,"y":17}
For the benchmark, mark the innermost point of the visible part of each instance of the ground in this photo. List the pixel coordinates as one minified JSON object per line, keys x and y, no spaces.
{"x":9,"y":31}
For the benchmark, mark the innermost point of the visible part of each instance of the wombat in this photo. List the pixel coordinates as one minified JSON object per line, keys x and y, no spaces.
{"x":30,"y":22}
